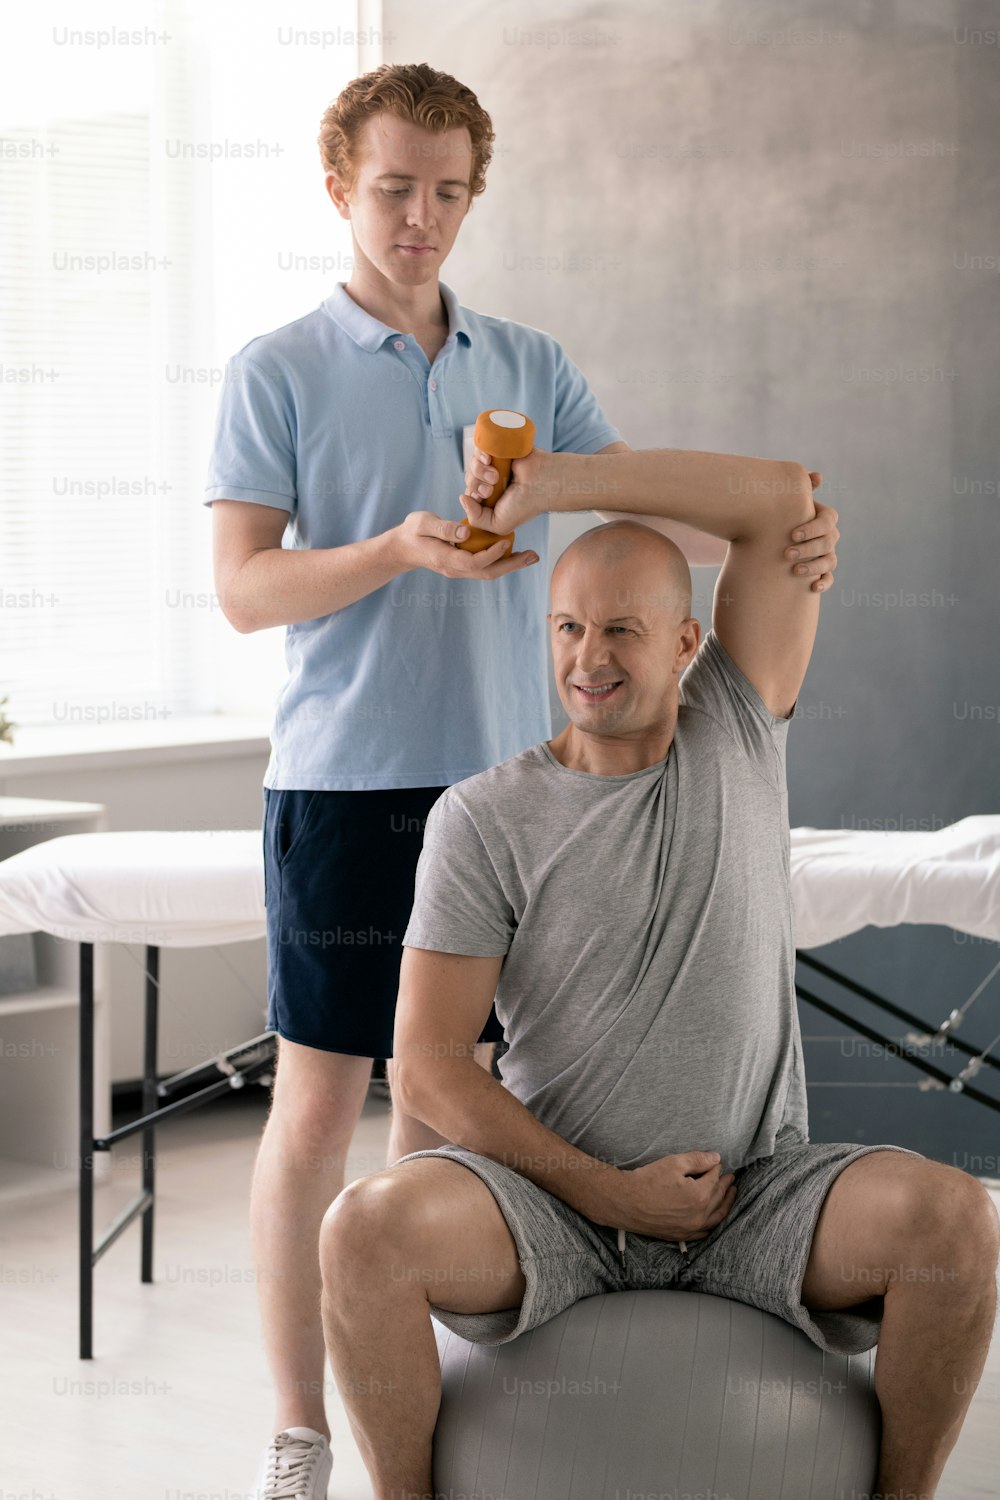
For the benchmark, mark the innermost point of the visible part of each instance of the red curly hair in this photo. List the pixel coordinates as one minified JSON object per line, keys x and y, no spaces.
{"x":410,"y":91}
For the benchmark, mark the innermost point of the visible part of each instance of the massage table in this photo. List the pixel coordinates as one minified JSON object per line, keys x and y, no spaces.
{"x":203,"y":888}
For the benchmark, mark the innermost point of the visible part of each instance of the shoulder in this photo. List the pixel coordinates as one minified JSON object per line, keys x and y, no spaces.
{"x":489,"y":798}
{"x":523,"y":335}
{"x":708,"y":661}
{"x":713,"y":677}
{"x":279,"y":351}
{"x":718,"y":703}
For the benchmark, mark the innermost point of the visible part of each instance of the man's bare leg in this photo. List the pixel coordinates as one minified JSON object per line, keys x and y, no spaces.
{"x":316,"y":1102}
{"x":299,"y":1171}
{"x":391,"y":1245}
{"x":924,"y":1236}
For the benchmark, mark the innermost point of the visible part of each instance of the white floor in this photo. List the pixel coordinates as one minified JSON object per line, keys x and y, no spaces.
{"x":176,"y":1404}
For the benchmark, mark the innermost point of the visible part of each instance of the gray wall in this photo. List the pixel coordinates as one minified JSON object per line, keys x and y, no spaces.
{"x":775,"y":233}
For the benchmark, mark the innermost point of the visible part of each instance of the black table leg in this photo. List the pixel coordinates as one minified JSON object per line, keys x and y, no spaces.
{"x":86,"y":1149}
{"x":141,"y":1206}
{"x":149,"y":1102}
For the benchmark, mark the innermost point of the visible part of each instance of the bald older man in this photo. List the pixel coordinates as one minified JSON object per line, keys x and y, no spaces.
{"x":622,"y":893}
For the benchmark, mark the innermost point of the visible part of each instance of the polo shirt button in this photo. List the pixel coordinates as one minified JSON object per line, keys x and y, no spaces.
{"x":399,"y":344}
{"x":433,"y":385}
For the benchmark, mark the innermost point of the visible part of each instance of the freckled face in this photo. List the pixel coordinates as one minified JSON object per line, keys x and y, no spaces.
{"x":410,"y":197}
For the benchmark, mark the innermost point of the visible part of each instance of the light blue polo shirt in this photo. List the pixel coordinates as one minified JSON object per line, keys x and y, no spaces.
{"x":341,"y":421}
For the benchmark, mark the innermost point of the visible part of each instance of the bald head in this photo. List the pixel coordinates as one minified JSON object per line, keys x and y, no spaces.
{"x":645,"y":571}
{"x":622,"y":633}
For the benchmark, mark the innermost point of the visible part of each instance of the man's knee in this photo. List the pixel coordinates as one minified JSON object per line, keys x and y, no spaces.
{"x":369,"y":1220}
{"x":957,"y":1211}
{"x":975,"y":1214}
{"x":362,"y":1208}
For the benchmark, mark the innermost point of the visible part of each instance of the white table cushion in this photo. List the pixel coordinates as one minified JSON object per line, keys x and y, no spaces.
{"x":172,"y":890}
{"x":189,"y":889}
{"x":844,"y":879}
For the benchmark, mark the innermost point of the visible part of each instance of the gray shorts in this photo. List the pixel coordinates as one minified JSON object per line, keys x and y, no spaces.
{"x":758,"y":1254}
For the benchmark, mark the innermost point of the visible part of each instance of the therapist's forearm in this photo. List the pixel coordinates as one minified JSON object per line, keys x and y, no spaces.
{"x":282,"y":586}
{"x":465,"y":1104}
{"x":726,"y":495}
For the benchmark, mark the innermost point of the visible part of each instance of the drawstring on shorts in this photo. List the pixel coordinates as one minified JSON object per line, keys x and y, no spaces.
{"x":621,"y":1246}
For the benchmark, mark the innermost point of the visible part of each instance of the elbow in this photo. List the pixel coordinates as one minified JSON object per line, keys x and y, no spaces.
{"x":240,"y":622}
{"x":236,"y":610}
{"x":794,"y":496}
{"x":404,"y":1087}
{"x":237,"y":619}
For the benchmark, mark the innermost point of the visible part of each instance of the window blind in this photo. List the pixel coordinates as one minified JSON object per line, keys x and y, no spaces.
{"x":131,"y":266}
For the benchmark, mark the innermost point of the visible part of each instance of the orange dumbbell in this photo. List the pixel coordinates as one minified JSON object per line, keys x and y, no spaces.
{"x":503,"y":436}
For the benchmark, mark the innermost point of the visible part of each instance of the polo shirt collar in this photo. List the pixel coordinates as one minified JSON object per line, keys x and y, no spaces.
{"x":369,"y":334}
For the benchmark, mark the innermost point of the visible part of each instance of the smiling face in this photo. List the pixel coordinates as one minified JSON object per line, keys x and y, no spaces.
{"x":411,"y":189}
{"x":621,"y":626}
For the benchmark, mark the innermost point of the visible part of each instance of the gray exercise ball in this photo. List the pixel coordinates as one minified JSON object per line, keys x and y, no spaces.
{"x":666,"y":1393}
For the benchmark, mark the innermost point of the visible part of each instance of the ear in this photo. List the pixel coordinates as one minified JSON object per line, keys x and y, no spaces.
{"x":687,"y":654}
{"x":335,"y":189}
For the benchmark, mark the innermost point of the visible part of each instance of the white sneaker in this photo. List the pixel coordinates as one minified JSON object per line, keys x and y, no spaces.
{"x":296,"y":1466}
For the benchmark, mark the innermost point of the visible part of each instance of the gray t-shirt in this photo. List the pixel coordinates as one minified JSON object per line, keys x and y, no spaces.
{"x":647,"y":990}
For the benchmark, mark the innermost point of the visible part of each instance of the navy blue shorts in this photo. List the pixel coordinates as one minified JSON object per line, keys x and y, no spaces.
{"x":339,"y":872}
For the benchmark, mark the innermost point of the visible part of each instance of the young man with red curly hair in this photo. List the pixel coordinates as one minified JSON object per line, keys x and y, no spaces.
{"x":413,"y":665}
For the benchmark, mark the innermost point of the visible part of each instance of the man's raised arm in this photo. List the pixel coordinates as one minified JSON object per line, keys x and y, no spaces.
{"x":763,"y":616}
{"x":701,"y":501}
{"x":700,"y":549}
{"x":728,"y":496}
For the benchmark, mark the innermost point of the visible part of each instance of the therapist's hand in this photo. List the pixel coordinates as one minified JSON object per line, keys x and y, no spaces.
{"x":535,"y":481}
{"x":812,"y":547}
{"x":424,"y":540}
